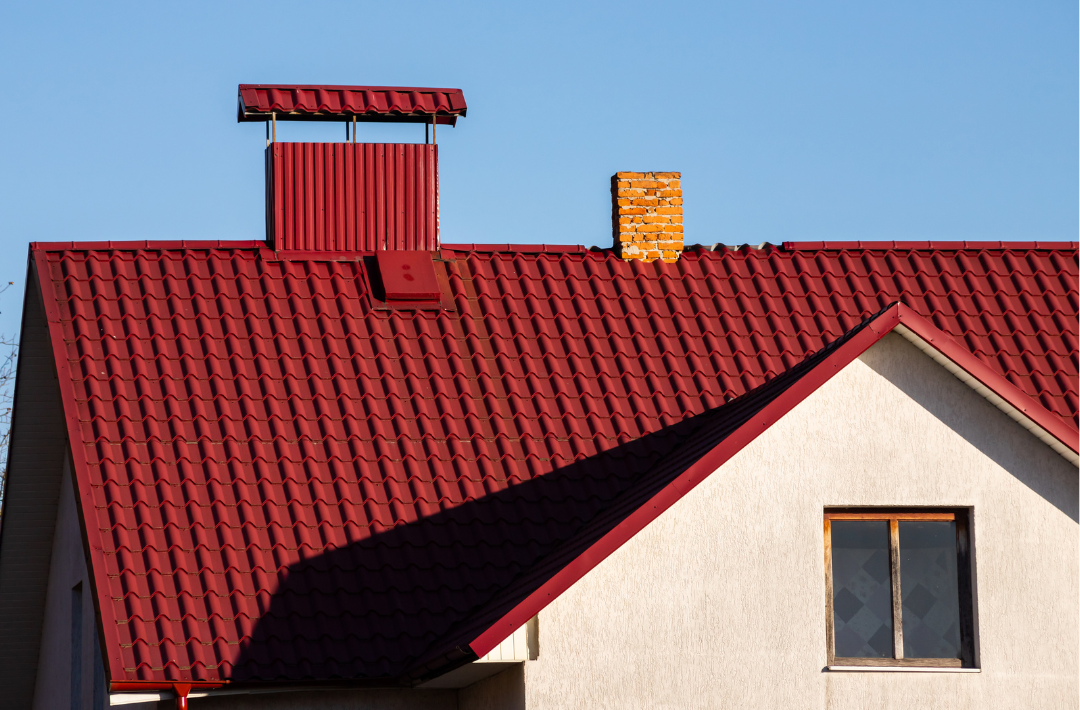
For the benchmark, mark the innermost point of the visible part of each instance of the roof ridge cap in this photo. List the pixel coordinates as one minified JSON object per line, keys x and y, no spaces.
{"x":929,"y":245}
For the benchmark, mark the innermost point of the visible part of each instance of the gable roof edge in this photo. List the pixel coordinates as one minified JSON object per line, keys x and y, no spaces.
{"x":1025,"y":410}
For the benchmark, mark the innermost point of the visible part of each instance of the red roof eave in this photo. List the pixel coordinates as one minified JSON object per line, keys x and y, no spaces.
{"x":896,"y":316}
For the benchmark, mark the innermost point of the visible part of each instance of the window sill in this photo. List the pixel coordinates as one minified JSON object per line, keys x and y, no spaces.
{"x":905,"y":669}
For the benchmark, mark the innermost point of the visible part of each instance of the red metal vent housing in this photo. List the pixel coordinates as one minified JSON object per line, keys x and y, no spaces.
{"x":400,"y":104}
{"x":352,"y":196}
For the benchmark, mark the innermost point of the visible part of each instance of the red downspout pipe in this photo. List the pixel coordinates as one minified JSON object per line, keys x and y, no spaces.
{"x":182,"y":690}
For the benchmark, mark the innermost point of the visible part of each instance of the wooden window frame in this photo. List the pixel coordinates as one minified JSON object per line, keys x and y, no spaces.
{"x":964,"y":588}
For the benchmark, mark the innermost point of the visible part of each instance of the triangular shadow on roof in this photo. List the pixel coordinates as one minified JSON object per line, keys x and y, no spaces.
{"x":385,"y":610}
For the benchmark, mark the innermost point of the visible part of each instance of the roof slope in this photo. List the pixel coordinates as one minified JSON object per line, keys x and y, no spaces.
{"x":254,"y":439}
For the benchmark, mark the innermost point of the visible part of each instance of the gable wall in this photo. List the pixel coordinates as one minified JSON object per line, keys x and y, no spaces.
{"x":68,"y":569}
{"x":35,"y":463}
{"x":721,"y":601}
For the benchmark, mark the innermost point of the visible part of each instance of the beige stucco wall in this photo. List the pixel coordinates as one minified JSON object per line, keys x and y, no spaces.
{"x":721,"y":601}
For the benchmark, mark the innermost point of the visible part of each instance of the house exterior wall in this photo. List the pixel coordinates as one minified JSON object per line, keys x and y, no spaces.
{"x":721,"y":601}
{"x":67,"y":568}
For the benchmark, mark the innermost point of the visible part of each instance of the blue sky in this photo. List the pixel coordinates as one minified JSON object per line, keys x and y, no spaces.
{"x":789,"y":121}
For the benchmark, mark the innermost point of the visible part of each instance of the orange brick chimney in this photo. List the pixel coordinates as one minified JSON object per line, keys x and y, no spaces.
{"x":646,"y":215}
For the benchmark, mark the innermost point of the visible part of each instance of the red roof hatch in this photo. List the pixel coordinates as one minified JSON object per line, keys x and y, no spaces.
{"x":408,"y":276}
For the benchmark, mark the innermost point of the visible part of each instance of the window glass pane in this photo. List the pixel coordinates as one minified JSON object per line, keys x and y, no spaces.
{"x":928,"y":586}
{"x":862,"y":589}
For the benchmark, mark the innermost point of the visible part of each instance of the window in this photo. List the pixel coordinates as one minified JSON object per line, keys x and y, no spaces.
{"x":899,"y":588}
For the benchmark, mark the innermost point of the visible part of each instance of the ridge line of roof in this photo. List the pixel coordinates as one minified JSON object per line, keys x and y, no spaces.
{"x":544,"y":248}
{"x":928,"y":245}
{"x":148,"y":245}
{"x":248,"y":244}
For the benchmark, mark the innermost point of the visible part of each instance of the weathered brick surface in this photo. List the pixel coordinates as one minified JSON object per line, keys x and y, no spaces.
{"x":646,"y":215}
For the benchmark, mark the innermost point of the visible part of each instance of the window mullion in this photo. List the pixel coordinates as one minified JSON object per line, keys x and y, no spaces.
{"x":897,"y":602}
{"x":829,"y":630}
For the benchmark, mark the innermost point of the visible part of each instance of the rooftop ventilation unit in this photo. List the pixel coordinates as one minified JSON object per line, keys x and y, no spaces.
{"x":349,"y":196}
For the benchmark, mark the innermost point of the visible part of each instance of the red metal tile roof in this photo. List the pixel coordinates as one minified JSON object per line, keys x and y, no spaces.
{"x":293,"y":102}
{"x":282,"y":481}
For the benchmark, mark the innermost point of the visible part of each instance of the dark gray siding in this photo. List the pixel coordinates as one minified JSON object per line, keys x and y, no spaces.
{"x":36,"y":462}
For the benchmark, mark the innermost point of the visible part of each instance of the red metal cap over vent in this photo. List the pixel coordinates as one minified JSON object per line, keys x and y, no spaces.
{"x":408,"y":276}
{"x":400,"y":104}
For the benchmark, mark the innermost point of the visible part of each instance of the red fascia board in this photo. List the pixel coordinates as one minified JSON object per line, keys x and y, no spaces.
{"x":634,"y":523}
{"x":80,"y":470}
{"x":145,"y":245}
{"x":935,"y":245}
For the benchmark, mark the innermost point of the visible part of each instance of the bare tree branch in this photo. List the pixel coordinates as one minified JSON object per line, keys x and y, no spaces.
{"x":9,"y":356}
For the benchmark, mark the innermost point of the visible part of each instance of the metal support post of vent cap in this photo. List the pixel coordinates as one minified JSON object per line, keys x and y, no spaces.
{"x":273,"y":118}
{"x":354,"y":130}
